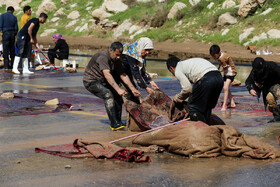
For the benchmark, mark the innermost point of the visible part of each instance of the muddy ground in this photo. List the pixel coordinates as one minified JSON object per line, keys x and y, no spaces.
{"x":183,"y":50}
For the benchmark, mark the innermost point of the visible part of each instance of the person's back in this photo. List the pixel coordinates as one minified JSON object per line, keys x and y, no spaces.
{"x":194,"y":68}
{"x":9,"y":28}
{"x":8,"y":22}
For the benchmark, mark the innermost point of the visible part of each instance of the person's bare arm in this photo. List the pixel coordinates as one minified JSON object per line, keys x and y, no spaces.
{"x":127,"y":81}
{"x":112,"y":82}
{"x":33,"y":40}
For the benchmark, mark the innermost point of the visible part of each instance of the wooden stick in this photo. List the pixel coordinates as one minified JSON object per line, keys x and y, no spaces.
{"x":131,"y":136}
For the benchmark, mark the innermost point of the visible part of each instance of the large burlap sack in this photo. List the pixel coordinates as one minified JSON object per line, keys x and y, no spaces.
{"x":186,"y":138}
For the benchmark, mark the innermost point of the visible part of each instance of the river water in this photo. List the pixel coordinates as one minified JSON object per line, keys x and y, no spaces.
{"x":158,"y":67}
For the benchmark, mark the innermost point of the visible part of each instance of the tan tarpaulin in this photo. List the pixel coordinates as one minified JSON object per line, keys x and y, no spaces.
{"x":197,"y":139}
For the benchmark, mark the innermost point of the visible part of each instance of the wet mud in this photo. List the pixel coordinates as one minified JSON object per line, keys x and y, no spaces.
{"x":36,"y":125}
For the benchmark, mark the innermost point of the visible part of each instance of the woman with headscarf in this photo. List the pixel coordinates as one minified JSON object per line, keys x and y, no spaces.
{"x":134,"y":64}
{"x":265,"y":78}
{"x":61,"y":46}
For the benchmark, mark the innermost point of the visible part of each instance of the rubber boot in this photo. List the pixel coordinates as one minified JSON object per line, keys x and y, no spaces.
{"x":276,"y":115}
{"x":15,"y":65}
{"x":115,"y":123}
{"x":25,"y":67}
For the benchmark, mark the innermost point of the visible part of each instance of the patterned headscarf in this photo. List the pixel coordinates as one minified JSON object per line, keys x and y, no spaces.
{"x":57,"y":36}
{"x":134,"y":49}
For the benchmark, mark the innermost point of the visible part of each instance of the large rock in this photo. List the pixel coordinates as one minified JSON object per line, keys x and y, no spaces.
{"x":46,"y":6}
{"x":54,"y":19}
{"x":14,"y":3}
{"x":115,"y":6}
{"x":266,"y":11}
{"x":64,"y":1}
{"x":176,"y":7}
{"x":84,"y":27}
{"x":273,"y":33}
{"x":245,"y":34}
{"x":108,"y":24}
{"x":100,"y":14}
{"x":60,"y":12}
{"x":72,"y":23}
{"x":228,"y":4}
{"x":261,"y":2}
{"x":262,"y":36}
{"x":246,"y":7}
{"x":122,"y":27}
{"x":25,"y":3}
{"x":226,"y":19}
{"x":194,"y":2}
{"x":73,"y":15}
{"x":48,"y":32}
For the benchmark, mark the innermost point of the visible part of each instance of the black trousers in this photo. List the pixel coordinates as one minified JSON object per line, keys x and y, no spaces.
{"x":8,"y":41}
{"x":59,"y":55}
{"x":112,"y":100}
{"x":204,"y":96}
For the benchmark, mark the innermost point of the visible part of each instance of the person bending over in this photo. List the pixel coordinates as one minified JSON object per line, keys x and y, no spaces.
{"x":134,"y":64}
{"x":265,"y":78}
{"x":100,"y":79}
{"x":207,"y":85}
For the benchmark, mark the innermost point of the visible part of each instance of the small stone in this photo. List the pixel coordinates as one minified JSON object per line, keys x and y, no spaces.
{"x":52,"y":102}
{"x":18,"y":162}
{"x":67,"y":167}
{"x":7,"y":95}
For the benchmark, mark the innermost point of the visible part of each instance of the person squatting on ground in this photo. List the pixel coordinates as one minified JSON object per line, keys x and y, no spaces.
{"x":229,"y":69}
{"x":61,"y":46}
{"x":207,"y":85}
{"x":265,"y":78}
{"x":9,"y":28}
{"x":134,"y":65}
{"x":25,"y":36}
{"x":99,"y":79}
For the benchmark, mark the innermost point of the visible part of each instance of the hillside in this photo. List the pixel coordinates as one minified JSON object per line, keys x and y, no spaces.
{"x":196,"y":20}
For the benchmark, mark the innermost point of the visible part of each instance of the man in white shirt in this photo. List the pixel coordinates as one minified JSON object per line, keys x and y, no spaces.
{"x":207,"y":85}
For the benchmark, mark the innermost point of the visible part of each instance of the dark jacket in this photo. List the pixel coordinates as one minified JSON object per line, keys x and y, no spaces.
{"x":130,"y":66}
{"x":62,"y":47}
{"x":261,"y":81}
{"x":8,"y":22}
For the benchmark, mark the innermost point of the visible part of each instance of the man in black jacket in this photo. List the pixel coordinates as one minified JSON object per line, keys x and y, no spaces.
{"x":265,"y":78}
{"x":61,"y":46}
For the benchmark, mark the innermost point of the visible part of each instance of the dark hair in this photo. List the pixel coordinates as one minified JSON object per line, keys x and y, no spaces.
{"x":172,"y":61}
{"x":214,"y":49}
{"x":10,"y":8}
{"x":26,"y":8}
{"x":44,"y":15}
{"x":117,"y":45}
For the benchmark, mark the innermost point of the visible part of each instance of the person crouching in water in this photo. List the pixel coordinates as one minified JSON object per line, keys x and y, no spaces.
{"x":207,"y":85}
{"x":100,"y":79}
{"x":134,"y":65}
{"x":60,"y":45}
{"x":265,"y":78}
{"x":229,"y":70}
